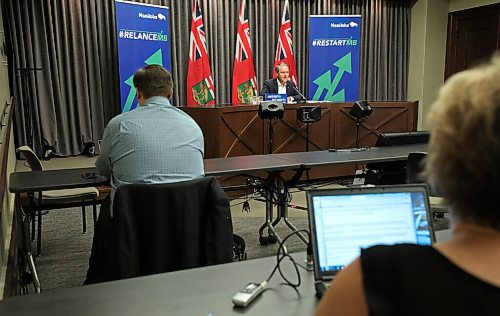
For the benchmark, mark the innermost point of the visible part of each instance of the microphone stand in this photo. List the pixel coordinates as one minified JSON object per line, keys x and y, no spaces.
{"x":27,"y":100}
{"x":303,"y":98}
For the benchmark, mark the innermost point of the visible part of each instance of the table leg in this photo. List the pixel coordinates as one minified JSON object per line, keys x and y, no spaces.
{"x":25,"y":246}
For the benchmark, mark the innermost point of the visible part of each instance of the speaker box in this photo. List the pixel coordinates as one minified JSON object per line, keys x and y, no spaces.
{"x":309,"y":114}
{"x":271,"y":109}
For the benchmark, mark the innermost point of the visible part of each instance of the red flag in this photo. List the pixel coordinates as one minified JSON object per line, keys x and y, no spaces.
{"x":244,"y":79}
{"x":284,"y":51}
{"x":200,"y":85}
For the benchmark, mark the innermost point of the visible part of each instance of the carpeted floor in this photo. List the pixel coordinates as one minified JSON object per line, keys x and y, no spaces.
{"x":65,"y":250}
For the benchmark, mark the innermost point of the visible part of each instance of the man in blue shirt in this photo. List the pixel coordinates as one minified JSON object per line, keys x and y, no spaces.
{"x":156,"y":142}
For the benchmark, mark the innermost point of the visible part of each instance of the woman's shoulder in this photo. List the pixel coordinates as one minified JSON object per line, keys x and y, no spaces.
{"x":389,"y":258}
{"x":396,"y":249}
{"x":406,"y":251}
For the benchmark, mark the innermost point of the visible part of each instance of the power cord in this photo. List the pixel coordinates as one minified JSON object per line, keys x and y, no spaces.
{"x":252,"y":290}
{"x":281,"y":255}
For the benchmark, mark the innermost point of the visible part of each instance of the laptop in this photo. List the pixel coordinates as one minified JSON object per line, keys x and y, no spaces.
{"x":343,"y":221}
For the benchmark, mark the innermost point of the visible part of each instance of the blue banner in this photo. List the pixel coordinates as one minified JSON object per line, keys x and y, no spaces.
{"x":334,"y":57}
{"x":143,"y":39}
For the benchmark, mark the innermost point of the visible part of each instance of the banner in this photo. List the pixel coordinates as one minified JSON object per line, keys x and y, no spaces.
{"x":244,"y":79}
{"x":143,"y":39}
{"x":284,"y":51}
{"x":200,"y":88}
{"x":334,"y":57}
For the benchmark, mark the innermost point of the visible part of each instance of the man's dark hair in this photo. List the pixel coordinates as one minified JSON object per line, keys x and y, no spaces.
{"x":154,"y":80}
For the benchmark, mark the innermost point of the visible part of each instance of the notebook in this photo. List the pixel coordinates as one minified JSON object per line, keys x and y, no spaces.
{"x":342,"y":221}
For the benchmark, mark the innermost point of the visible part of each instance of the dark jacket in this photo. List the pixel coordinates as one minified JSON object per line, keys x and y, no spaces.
{"x":162,"y":227}
{"x":271,"y":86}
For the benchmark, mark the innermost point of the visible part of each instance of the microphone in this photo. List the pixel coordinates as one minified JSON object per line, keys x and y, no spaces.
{"x":303,"y":98}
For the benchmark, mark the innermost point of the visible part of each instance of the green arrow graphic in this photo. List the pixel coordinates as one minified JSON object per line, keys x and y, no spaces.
{"x":323,"y":83}
{"x":131,"y":94}
{"x":155,"y":59}
{"x":337,"y":97}
{"x":344,"y":65}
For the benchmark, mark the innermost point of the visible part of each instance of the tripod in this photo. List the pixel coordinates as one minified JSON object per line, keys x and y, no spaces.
{"x":270,"y":124}
{"x":24,"y":73}
{"x":358,"y":125}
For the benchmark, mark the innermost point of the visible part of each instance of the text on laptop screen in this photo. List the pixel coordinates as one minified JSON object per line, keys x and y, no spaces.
{"x":348,"y":222}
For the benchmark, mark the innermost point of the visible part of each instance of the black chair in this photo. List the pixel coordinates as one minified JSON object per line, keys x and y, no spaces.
{"x":393,"y":172}
{"x":157,"y":228}
{"x":414,"y":169}
{"x":54,"y":199}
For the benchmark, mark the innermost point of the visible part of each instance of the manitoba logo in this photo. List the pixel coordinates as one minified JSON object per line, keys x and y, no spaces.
{"x":150,"y":16}
{"x":344,"y":25}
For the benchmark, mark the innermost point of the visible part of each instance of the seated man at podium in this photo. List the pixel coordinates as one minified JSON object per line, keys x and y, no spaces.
{"x":282,"y":84}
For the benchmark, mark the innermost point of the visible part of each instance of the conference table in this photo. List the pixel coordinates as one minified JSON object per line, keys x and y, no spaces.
{"x":200,"y":291}
{"x":274,"y":165}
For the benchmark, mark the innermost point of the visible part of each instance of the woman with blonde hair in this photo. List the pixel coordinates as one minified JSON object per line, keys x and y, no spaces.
{"x":460,"y":276}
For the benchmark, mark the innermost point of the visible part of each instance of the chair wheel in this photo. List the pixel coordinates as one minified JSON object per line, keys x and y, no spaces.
{"x":263,"y":240}
{"x":272,"y":239}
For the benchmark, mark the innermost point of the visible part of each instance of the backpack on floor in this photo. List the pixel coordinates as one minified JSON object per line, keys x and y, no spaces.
{"x":239,"y":253}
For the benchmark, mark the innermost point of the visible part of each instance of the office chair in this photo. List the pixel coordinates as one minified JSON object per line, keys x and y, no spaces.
{"x":414,"y":168}
{"x":156,"y":228}
{"x":54,"y":199}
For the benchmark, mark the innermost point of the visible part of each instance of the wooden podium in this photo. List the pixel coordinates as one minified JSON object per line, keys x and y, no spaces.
{"x":238,"y":130}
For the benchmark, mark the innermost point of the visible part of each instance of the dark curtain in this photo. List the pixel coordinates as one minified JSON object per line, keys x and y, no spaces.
{"x":73,"y":41}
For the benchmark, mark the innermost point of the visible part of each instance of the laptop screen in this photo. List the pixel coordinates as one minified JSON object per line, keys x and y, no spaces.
{"x":343,"y":221}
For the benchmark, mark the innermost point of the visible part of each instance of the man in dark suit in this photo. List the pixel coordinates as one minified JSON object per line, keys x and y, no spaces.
{"x":282,"y":84}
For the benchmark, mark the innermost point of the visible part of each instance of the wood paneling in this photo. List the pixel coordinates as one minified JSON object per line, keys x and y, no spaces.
{"x":238,"y":131}
{"x":473,"y":36}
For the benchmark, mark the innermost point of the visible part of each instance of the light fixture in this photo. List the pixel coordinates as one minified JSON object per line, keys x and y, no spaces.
{"x":89,"y":149}
{"x":271,"y":110}
{"x":361,"y":110}
{"x":309,"y":114}
{"x":48,"y":152}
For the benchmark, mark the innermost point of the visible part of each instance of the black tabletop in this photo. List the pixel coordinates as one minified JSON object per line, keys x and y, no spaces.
{"x":33,"y":181}
{"x":201,"y":291}
{"x":343,"y":156}
{"x":247,"y":164}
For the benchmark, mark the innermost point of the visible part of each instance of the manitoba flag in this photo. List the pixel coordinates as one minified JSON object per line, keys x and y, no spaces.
{"x":284,"y":51}
{"x":200,"y":85}
{"x":244,"y":80}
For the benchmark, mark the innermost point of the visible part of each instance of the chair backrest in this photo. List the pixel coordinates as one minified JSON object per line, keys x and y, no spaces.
{"x":167,"y":227}
{"x":414,"y":167}
{"x":33,"y":162}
